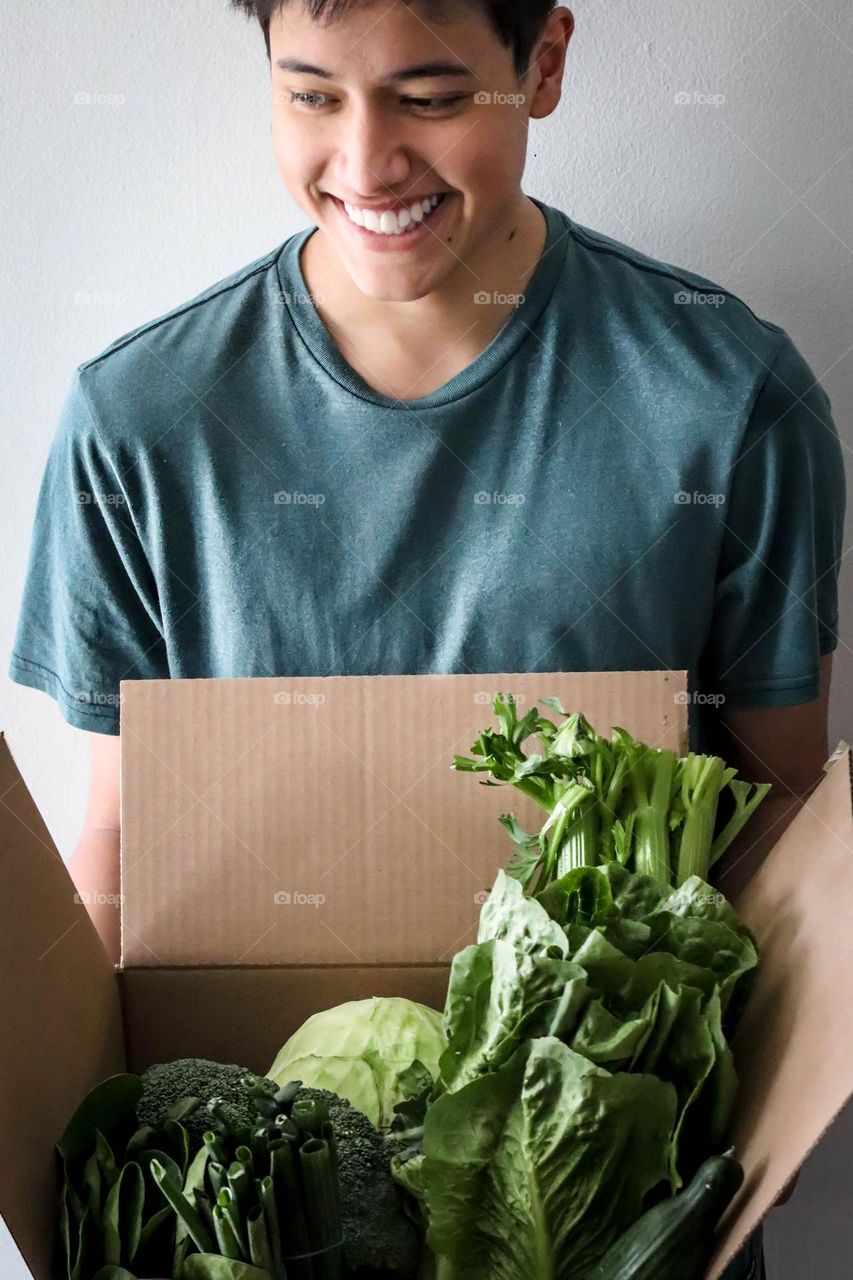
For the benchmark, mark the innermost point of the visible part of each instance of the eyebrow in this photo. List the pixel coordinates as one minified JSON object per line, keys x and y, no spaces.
{"x":422,"y":71}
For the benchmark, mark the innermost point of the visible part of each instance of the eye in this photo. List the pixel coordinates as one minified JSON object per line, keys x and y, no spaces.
{"x":434,"y":104}
{"x":302,"y":99}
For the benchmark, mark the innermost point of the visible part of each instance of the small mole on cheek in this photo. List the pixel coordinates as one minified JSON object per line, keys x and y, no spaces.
{"x":512,"y":233}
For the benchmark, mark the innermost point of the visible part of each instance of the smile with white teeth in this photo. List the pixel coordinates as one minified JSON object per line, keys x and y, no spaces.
{"x":393,"y":222}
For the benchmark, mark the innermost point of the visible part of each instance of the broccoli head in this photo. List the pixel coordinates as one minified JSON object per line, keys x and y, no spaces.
{"x":381,"y":1239}
{"x":166,"y":1083}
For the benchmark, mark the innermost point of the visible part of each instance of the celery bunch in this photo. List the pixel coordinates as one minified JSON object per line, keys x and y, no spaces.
{"x":608,"y":800}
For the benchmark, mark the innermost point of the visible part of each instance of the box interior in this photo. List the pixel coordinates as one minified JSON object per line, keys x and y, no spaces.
{"x":185,"y":988}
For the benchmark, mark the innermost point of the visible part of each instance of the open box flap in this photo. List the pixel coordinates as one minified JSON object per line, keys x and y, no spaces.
{"x":794,"y":1047}
{"x":310,"y":821}
{"x":59,"y":1013}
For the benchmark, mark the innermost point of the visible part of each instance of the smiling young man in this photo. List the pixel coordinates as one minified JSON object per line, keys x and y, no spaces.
{"x":444,"y":429}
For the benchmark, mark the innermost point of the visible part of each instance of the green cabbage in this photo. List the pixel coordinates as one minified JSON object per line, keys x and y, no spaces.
{"x":359,"y":1051}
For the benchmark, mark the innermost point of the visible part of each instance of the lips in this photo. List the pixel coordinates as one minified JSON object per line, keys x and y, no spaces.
{"x":409,"y":237}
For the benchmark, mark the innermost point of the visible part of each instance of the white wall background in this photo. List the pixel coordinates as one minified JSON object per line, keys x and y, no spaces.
{"x":145,"y":200}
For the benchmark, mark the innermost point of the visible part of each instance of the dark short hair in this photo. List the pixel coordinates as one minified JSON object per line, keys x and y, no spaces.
{"x":517,"y":23}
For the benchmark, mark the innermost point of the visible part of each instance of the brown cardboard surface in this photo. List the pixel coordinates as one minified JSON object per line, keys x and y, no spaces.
{"x":59,"y":1014}
{"x":246,"y":1014}
{"x":794,"y":1047}
{"x":59,"y":997}
{"x":316,"y":820}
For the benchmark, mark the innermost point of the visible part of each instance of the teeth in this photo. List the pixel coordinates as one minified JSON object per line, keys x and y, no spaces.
{"x":391,"y":222}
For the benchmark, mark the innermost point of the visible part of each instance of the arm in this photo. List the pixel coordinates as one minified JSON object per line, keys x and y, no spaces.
{"x":786,"y":746}
{"x":94,"y":864}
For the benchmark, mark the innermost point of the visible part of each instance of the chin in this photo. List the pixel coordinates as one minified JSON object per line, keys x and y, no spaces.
{"x":390,"y":283}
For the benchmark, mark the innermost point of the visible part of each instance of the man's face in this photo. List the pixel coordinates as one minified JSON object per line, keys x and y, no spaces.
{"x":365,"y":139}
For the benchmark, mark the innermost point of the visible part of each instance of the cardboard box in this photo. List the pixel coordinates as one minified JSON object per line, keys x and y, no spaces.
{"x":288,"y":844}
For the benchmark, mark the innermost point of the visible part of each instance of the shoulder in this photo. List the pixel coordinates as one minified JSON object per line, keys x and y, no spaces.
{"x":658,"y":302}
{"x":166,"y":365}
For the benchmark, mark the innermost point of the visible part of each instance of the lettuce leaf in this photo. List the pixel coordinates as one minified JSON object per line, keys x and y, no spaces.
{"x":536,"y":1168}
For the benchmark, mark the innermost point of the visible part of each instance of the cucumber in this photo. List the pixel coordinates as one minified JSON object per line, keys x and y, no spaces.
{"x":674,"y":1240}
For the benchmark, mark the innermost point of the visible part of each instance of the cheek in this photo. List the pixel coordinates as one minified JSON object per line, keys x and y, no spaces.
{"x":491,"y":154}
{"x":293,"y":157}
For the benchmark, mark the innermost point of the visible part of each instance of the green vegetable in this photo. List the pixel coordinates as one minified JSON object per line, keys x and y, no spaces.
{"x":608,"y":801}
{"x":529,"y":1170}
{"x":321,"y":1201}
{"x":107,"y":1107}
{"x":379,"y":1235}
{"x":674,"y":1240}
{"x":167,"y":1085}
{"x":122,"y":1216}
{"x":158,"y":1210}
{"x":602,"y":1004}
{"x":188,"y":1213}
{"x":360,"y":1049}
{"x":201,"y":1266}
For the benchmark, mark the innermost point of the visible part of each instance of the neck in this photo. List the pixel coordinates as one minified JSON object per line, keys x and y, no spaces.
{"x":500,"y":264}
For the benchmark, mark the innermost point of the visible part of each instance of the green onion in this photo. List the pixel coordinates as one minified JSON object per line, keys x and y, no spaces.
{"x":205,"y":1208}
{"x":267,"y":1197}
{"x":260,"y":1252}
{"x":226,"y":1240}
{"x":288,"y":1199}
{"x":189,"y":1213}
{"x":228,"y":1203}
{"x":215,"y":1146}
{"x":321,"y":1208}
{"x":216,"y":1174}
{"x":309,"y":1115}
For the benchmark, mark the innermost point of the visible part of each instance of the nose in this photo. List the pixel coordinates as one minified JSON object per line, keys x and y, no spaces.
{"x":372,"y":153}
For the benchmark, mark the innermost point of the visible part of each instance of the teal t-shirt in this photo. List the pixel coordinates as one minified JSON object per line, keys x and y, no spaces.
{"x":637,"y":473}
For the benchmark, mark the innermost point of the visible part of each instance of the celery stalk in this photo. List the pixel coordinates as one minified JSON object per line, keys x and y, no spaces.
{"x":579,"y":844}
{"x":570,"y":834}
{"x":652,"y":775}
{"x":745,"y":806}
{"x":702,"y":778}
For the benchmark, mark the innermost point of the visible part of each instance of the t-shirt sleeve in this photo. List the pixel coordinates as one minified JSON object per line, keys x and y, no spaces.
{"x":776,"y":597}
{"x":89,"y":614}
